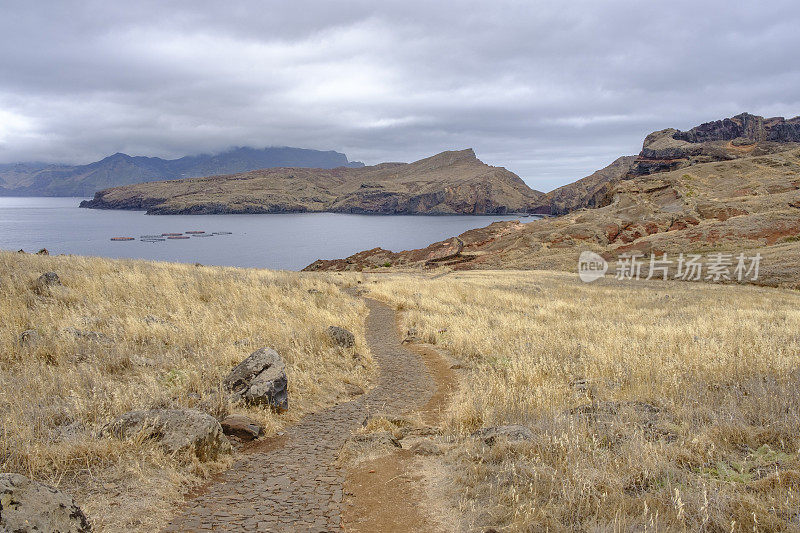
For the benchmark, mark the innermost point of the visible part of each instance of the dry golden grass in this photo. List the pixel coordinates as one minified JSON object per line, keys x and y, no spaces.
{"x":168,"y":334}
{"x":655,"y":406}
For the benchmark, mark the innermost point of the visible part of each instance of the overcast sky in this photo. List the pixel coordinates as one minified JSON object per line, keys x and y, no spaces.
{"x":549,"y":90}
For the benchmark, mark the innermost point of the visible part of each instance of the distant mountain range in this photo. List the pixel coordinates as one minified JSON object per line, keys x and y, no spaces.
{"x":44,"y":179}
{"x":448,"y":183}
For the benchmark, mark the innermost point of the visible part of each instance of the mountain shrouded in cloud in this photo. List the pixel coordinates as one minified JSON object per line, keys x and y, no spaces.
{"x":41,"y":179}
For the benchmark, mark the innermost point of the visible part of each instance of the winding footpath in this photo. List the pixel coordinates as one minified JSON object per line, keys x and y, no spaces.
{"x":294,"y":484}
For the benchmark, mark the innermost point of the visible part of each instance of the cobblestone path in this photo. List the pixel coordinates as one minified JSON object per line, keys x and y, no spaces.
{"x":296,"y":487}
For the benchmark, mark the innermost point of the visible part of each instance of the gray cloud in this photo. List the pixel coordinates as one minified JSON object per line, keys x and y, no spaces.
{"x":550,"y":90}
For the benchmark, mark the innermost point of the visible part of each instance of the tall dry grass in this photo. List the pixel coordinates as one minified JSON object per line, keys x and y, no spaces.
{"x":655,"y":406}
{"x":122,"y":335}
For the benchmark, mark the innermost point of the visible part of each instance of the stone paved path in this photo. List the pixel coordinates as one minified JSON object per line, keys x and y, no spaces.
{"x":296,"y":487}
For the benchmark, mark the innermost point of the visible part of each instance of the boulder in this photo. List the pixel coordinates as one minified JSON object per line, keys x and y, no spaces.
{"x":27,"y":506}
{"x":341,"y":337}
{"x":511,"y":433}
{"x":178,"y":431}
{"x":260,"y":379}
{"x":29,"y":337}
{"x":241,"y":426}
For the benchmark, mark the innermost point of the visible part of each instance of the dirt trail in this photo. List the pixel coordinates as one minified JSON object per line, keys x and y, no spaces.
{"x":388,"y":493}
{"x":292,"y":483}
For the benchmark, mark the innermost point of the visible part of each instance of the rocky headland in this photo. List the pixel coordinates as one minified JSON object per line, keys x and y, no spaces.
{"x":449,"y":183}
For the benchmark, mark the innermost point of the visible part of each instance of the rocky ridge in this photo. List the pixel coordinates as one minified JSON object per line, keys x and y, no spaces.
{"x":454,"y":182}
{"x":733,"y":203}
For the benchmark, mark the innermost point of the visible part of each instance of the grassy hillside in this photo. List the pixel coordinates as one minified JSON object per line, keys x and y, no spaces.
{"x":654,"y":406}
{"x":123,"y":335}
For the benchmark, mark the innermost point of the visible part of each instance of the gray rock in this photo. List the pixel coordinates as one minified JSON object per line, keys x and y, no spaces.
{"x":140,"y":360}
{"x":353,"y":390}
{"x":178,"y":431}
{"x":376,"y":439}
{"x":511,"y":433}
{"x":260,"y":379}
{"x":241,"y":426}
{"x":341,"y":337}
{"x":426,"y":447}
{"x":95,"y":336}
{"x":49,"y":278}
{"x":28,"y":506}
{"x":45,"y":281}
{"x":29,"y":337}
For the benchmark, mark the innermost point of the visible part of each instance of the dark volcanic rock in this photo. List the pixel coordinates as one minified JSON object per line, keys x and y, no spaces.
{"x":720,"y":140}
{"x":747,"y":126}
{"x":260,"y":379}
{"x":241,"y":426}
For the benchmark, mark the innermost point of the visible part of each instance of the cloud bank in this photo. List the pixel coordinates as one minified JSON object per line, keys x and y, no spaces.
{"x":552,"y":91}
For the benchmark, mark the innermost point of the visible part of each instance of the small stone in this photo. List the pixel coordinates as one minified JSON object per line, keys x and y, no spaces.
{"x":377,"y":439}
{"x":95,"y":336}
{"x":140,"y":360}
{"x":511,"y":433}
{"x":28,"y":506}
{"x":29,"y":337}
{"x":241,"y":426}
{"x":353,"y":390}
{"x":341,"y":337}
{"x":411,"y":336}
